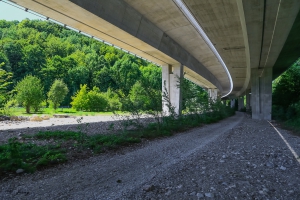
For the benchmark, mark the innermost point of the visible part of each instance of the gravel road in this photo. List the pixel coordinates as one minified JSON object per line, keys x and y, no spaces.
{"x":237,"y":158}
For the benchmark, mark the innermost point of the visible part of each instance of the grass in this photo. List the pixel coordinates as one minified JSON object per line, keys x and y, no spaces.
{"x":19,"y":111}
{"x":16,"y":155}
{"x":293,"y":125}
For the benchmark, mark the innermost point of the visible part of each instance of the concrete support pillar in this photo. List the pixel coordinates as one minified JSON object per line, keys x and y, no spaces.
{"x":241,"y":103}
{"x":171,"y":79}
{"x":213,"y":94}
{"x":232,"y":103}
{"x":261,"y":93}
{"x":248,"y":104}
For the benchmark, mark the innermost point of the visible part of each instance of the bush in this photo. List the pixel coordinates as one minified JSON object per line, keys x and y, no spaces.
{"x":96,"y":101}
{"x":92,"y":100}
{"x":80,"y":100}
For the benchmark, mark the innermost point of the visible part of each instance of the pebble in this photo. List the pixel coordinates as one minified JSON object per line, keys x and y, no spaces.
{"x":209,"y":195}
{"x":200,"y":195}
{"x":192,"y":193}
{"x":148,"y":188}
{"x":270,"y":165}
{"x":283,"y":168}
{"x":19,"y":171}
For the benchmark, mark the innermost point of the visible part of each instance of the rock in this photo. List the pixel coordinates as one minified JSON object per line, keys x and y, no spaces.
{"x":179,"y":187}
{"x":61,"y":116}
{"x":200,"y":195}
{"x":270,"y":165}
{"x":148,"y":188}
{"x":45,"y":117}
{"x":14,"y":118}
{"x":209,"y":195}
{"x":4,"y":118}
{"x":192,"y":193}
{"x":35,"y":118}
{"x":168,"y":193}
{"x":282,"y":168}
{"x":19,"y":171}
{"x":22,"y":118}
{"x":261,"y":192}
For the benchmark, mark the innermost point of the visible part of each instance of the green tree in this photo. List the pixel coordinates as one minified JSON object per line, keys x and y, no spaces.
{"x":5,"y":82}
{"x":30,"y":92}
{"x":80,"y":99}
{"x":57,"y":93}
{"x":288,"y":86}
{"x":96,"y":100}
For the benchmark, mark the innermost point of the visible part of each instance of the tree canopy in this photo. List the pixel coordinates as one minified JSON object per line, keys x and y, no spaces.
{"x":50,"y":52}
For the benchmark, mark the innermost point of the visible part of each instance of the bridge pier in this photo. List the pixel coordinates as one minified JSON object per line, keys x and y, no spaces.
{"x":241,"y":103}
{"x":248,"y":102}
{"x":172,"y":76}
{"x":261,"y":93}
{"x":232,"y":103}
{"x":213,"y":94}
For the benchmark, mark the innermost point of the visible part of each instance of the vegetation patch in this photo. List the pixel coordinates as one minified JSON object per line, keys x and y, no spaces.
{"x":286,"y":98}
{"x":27,"y":156}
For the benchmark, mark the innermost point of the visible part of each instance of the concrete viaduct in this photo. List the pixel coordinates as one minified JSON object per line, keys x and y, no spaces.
{"x":233,"y":48}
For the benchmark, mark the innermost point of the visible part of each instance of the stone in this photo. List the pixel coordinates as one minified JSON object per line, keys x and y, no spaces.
{"x":148,"y":188}
{"x":4,"y":118}
{"x":14,"y":118}
{"x":261,"y":192}
{"x":19,"y":171}
{"x":45,"y":117}
{"x":35,"y":118}
{"x":209,"y":195}
{"x":192,"y":193}
{"x":200,"y":195}
{"x":270,"y":165}
{"x":282,"y":168}
{"x":168,"y":193}
{"x":61,"y":116}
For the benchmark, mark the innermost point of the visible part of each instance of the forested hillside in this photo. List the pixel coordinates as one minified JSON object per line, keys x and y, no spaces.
{"x":49,"y":51}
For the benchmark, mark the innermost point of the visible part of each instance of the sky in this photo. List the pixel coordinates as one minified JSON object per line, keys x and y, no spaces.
{"x":10,"y":13}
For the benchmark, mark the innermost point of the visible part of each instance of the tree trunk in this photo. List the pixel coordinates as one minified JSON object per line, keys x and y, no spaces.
{"x":27,"y":108}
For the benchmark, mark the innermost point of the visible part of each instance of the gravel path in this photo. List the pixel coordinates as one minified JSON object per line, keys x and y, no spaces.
{"x":237,"y":158}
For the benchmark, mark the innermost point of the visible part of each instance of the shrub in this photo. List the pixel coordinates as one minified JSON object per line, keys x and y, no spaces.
{"x":96,"y":101}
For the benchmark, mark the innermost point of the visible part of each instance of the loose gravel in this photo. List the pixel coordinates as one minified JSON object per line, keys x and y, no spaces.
{"x":237,"y":158}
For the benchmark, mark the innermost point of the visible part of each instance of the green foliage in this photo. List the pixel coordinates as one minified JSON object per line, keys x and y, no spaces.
{"x":5,"y":82}
{"x":57,"y":93}
{"x":30,"y":92}
{"x":16,"y":155}
{"x":286,"y":97}
{"x":92,"y":100}
{"x":287,"y":86}
{"x":96,"y":100}
{"x":49,"y":52}
{"x":80,"y":99}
